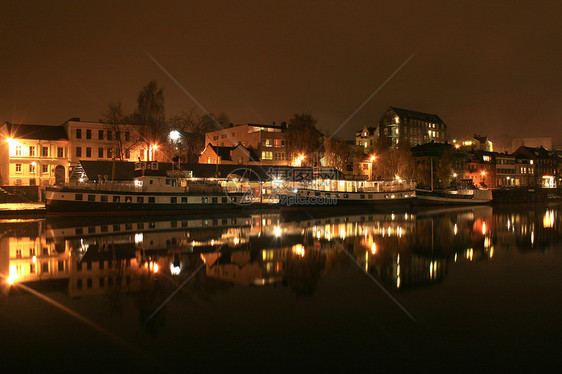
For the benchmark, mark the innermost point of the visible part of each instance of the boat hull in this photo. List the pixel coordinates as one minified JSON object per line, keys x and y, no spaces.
{"x":88,"y":202}
{"x":326,"y":199}
{"x":440,"y":198}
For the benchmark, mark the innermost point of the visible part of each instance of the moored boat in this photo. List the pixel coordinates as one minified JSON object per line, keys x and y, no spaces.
{"x":145,"y":194}
{"x":455,"y":197}
{"x":326,"y":193}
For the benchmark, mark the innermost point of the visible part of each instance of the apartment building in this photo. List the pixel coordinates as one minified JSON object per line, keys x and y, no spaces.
{"x":95,"y":141}
{"x":33,"y":155}
{"x":268,"y":141}
{"x":414,"y":128}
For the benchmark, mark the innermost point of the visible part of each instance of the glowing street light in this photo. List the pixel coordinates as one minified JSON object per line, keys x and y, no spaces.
{"x":298,"y":161}
{"x":174,"y":135}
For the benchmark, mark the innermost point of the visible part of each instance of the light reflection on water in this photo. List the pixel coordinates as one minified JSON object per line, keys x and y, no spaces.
{"x":145,"y":259}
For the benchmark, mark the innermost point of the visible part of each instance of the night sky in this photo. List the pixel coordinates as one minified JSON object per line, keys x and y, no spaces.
{"x":487,"y":67}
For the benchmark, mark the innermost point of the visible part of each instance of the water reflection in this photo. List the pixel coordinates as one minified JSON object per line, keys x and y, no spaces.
{"x":129,"y":254}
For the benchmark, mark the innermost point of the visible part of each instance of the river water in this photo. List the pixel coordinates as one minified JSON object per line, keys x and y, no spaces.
{"x":453,"y":288}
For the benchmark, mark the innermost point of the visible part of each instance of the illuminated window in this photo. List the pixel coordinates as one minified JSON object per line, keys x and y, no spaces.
{"x":31,"y":168}
{"x":18,"y":150}
{"x":266,"y":155}
{"x":45,"y":151}
{"x":31,"y":151}
{"x":18,"y":168}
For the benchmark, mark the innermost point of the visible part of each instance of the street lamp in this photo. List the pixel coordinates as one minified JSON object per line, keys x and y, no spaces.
{"x":371,"y":160}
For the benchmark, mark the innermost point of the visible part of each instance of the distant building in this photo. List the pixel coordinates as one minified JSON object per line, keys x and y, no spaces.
{"x":367,"y":138}
{"x":546,"y":164}
{"x":545,"y":142}
{"x":267,"y":140}
{"x":414,"y":128}
{"x":476,"y":142}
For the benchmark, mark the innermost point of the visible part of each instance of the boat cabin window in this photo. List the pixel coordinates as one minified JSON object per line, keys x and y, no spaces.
{"x":317,"y":194}
{"x":362,"y":196}
{"x":91,"y":230}
{"x":150,"y":181}
{"x":346,"y":195}
{"x":116,"y":199}
{"x":140,"y":226}
{"x":91,"y":197}
{"x":233,"y":199}
{"x":140,"y":199}
{"x":223,"y":200}
{"x":78,"y":196}
{"x":151,"y":199}
{"x":173,"y":200}
{"x":128,"y":199}
{"x":204,"y":199}
{"x":215,"y":200}
{"x":103,"y":198}
{"x":370,"y":196}
{"x":184,"y":200}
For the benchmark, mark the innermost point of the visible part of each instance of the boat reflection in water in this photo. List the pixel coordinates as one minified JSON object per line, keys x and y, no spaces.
{"x":400,"y":249}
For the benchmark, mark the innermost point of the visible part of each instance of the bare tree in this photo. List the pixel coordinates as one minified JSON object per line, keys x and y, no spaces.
{"x":395,"y":162}
{"x":303,"y":138}
{"x":336,"y":153}
{"x":150,"y":115}
{"x":193,"y":126}
{"x":122,"y":138}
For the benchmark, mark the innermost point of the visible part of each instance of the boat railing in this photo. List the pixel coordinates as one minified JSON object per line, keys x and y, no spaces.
{"x":104,"y":186}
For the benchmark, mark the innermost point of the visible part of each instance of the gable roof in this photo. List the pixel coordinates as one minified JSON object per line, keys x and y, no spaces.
{"x":225,"y":153}
{"x":405,"y":113}
{"x":39,"y":132}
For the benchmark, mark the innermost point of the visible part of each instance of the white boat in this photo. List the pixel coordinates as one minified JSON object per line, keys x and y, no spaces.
{"x":154,"y":194}
{"x":329,"y":192}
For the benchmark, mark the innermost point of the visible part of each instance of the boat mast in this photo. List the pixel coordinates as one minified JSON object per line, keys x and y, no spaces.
{"x":431,"y":170}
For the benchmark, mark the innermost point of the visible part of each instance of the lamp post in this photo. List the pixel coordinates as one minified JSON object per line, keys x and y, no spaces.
{"x":371,"y":162}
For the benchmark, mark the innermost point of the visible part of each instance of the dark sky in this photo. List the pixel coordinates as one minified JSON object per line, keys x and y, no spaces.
{"x":487,"y":67}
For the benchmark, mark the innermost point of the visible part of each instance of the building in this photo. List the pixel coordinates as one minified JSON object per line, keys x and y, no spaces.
{"x":98,"y":141}
{"x":481,"y":169}
{"x":546,"y":165}
{"x":238,"y":154}
{"x":268,"y":141}
{"x":413,"y":128}
{"x":45,"y":155}
{"x":33,"y":155}
{"x":440,"y":160}
{"x":545,"y":142}
{"x":506,"y":171}
{"x":476,"y":142}
{"x":367,"y":138}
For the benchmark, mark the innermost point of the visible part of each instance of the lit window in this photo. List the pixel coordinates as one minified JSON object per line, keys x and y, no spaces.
{"x":45,"y":151}
{"x":31,"y":151}
{"x":266,"y":155}
{"x":18,"y":168}
{"x":18,"y":150}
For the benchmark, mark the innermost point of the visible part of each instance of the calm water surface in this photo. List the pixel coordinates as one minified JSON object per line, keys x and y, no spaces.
{"x":457,"y":289}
